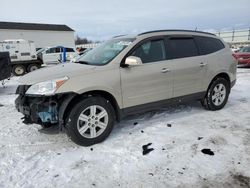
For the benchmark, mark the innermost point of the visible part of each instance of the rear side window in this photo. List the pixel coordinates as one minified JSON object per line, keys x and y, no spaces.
{"x":151,"y":51}
{"x":208,"y":45}
{"x":182,"y":47}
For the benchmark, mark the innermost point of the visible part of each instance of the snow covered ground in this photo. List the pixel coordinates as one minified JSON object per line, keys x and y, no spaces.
{"x":29,"y":158}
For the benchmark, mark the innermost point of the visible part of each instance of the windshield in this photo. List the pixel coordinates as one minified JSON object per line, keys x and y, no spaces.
{"x":40,"y":51}
{"x":245,"y":49}
{"x":104,"y":53}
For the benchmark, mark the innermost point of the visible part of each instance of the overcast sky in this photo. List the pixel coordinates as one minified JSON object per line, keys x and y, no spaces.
{"x":101,"y":19}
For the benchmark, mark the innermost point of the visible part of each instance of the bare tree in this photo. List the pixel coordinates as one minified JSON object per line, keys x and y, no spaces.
{"x":79,"y":40}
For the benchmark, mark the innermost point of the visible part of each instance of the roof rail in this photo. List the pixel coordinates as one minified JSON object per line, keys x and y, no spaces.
{"x":176,"y":30}
{"x":118,"y":36}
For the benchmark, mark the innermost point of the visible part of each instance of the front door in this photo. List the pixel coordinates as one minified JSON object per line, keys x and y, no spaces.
{"x":153,"y":80}
{"x":52,"y":55}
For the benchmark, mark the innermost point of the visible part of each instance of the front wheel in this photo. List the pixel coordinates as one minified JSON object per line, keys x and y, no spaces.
{"x":217,"y":95}
{"x":90,"y":121}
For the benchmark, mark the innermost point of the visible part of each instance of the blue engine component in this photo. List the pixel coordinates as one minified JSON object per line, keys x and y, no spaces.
{"x":50,"y":116}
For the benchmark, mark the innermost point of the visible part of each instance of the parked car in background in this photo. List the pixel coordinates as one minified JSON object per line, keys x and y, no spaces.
{"x":127,"y":75}
{"x":243,"y":56}
{"x":53,"y":55}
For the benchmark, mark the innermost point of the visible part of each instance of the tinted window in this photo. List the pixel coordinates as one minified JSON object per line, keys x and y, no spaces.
{"x":58,"y":50}
{"x":70,"y":50}
{"x":151,"y":51}
{"x":208,"y":45}
{"x":182,"y":47}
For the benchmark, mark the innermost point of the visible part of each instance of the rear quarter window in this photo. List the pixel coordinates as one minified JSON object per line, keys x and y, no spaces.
{"x":208,"y":45}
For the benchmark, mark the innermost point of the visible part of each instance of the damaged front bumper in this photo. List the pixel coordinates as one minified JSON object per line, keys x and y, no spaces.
{"x":43,"y":110}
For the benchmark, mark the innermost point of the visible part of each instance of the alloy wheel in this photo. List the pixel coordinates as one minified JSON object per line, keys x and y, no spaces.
{"x":92,"y":122}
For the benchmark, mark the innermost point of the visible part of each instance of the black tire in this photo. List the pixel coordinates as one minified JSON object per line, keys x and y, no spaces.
{"x":33,"y":67}
{"x":72,"y":121}
{"x":18,"y":70}
{"x":208,"y":102}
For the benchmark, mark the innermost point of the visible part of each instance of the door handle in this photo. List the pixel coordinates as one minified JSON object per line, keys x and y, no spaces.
{"x":202,"y":64}
{"x":165,"y":70}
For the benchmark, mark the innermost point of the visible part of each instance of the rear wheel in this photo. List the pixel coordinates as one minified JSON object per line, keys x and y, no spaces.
{"x":33,"y":67}
{"x":217,"y":94}
{"x":18,"y":70}
{"x":90,"y":121}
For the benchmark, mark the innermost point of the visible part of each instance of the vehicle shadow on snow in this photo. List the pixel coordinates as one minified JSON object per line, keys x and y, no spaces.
{"x":167,"y":114}
{"x":170,"y":113}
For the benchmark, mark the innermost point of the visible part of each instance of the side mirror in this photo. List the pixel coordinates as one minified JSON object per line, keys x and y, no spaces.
{"x":133,"y":61}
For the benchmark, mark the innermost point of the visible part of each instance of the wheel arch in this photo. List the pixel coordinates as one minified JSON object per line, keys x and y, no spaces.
{"x":78,"y":97}
{"x":220,"y":75}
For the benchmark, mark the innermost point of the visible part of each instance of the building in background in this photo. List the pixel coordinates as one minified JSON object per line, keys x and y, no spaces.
{"x":44,"y":35}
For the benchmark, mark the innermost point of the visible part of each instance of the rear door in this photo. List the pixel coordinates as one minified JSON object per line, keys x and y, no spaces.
{"x":188,"y":65}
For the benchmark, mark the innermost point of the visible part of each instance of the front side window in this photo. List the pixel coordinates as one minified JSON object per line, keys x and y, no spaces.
{"x":51,"y":51}
{"x":40,"y":50}
{"x":151,"y":51}
{"x":105,"y":52}
{"x":182,"y":47}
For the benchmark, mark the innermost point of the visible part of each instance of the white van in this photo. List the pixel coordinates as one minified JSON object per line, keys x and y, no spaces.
{"x":56,"y":54}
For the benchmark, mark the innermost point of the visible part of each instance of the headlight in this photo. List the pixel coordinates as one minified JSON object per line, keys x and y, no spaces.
{"x":47,"y":87}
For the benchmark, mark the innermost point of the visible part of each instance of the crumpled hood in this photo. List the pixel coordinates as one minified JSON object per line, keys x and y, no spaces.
{"x":54,"y":72}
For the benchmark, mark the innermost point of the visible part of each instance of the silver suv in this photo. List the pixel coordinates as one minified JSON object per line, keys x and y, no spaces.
{"x":127,"y":75}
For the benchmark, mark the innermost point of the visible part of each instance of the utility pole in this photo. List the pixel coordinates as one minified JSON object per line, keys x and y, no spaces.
{"x":233,"y":35}
{"x":248,"y":34}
